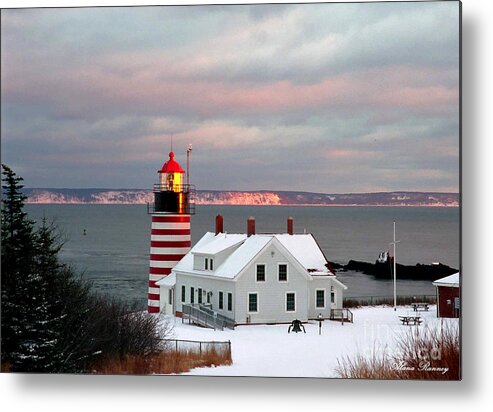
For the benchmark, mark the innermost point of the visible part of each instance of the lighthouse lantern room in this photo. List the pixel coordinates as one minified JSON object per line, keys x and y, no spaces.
{"x":170,"y":228}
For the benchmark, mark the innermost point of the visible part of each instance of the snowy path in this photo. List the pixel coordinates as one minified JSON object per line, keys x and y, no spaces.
{"x":268,"y":350}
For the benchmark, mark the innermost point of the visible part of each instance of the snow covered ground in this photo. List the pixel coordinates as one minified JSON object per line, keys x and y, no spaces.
{"x":268,"y":350}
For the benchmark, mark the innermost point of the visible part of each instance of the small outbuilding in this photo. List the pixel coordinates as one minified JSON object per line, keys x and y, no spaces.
{"x":448,"y":296}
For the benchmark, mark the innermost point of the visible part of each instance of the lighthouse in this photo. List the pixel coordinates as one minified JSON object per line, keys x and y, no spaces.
{"x":170,"y":228}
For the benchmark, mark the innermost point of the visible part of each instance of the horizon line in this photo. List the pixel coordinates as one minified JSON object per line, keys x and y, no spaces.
{"x":251,"y":190}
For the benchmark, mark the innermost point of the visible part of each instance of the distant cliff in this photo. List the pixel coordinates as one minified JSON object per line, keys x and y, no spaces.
{"x":213,"y":197}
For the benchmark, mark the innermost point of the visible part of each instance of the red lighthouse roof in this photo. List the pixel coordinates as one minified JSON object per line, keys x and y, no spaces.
{"x":171,"y":166}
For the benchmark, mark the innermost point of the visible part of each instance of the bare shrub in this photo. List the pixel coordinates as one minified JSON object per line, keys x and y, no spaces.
{"x":422,"y":353}
{"x":375,"y":366}
{"x":430,"y":353}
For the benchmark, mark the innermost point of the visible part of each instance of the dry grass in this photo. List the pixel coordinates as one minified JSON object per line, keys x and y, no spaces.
{"x":422,"y":353}
{"x":5,"y":367}
{"x":166,"y":362}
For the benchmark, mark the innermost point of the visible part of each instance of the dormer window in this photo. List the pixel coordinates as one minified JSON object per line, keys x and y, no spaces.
{"x":209,"y":264}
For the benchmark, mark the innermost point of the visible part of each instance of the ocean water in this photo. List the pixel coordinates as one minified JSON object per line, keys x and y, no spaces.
{"x":114,"y":252}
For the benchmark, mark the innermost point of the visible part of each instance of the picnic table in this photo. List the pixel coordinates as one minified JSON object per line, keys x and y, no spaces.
{"x":411,"y":320}
{"x":420,"y":305}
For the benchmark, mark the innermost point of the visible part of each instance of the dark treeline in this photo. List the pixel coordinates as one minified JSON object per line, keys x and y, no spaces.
{"x":384,"y":270}
{"x":51,"y":322}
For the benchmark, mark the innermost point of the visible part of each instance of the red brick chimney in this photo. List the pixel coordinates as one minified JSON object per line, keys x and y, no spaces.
{"x":219,"y":224}
{"x":250,"y":226}
{"x":290,"y":225}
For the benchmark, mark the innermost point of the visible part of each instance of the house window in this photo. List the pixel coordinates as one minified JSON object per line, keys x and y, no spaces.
{"x":260,"y":273}
{"x":252,"y":302}
{"x":206,"y":264}
{"x":320,"y":298}
{"x":209,"y":297}
{"x":200,"y":295}
{"x":290,"y":302}
{"x":230,"y":302}
{"x":183,"y":293}
{"x":332,"y":297}
{"x":283,"y":272}
{"x":170,"y":296}
{"x":221,"y":300}
{"x":192,"y":296}
{"x":212,"y":264}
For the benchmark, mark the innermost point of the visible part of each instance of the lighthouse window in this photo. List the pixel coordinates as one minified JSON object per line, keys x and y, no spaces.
{"x":283,"y":272}
{"x":169,"y":181}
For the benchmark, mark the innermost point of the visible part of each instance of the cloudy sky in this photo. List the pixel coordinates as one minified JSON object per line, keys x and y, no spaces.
{"x":319,"y":97}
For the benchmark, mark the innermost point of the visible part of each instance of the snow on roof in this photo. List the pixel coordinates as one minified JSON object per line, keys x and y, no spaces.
{"x":186,"y":263}
{"x":221,"y":241}
{"x":169,"y":280}
{"x":303,"y":247}
{"x":451,"y":281}
{"x":242,"y":256}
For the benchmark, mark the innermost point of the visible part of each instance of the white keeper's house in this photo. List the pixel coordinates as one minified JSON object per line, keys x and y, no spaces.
{"x":253,"y":278}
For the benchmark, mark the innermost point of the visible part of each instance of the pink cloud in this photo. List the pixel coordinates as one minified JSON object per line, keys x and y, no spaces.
{"x":350,"y":154}
{"x":150,"y":84}
{"x":419,"y":97}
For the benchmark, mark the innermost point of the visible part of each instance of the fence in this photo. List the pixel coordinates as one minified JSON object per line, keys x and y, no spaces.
{"x":352,"y":302}
{"x":181,"y":345}
{"x":344,"y":315}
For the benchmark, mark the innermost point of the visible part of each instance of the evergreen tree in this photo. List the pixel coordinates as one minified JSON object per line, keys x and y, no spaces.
{"x":39,"y":350}
{"x":32,"y":288}
{"x":48,"y":313}
{"x":50,"y":321}
{"x":18,"y":251}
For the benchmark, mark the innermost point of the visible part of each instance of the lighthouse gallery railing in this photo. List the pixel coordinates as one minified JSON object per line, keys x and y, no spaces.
{"x":188,"y":190}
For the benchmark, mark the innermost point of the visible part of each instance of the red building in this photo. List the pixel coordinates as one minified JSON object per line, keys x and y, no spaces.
{"x":448,"y":296}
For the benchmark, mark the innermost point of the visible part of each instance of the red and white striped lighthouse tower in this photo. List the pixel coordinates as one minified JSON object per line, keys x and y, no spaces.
{"x":170,"y":229}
